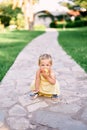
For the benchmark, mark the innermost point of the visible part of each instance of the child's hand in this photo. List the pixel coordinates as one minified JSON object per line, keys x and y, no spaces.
{"x":45,"y":73}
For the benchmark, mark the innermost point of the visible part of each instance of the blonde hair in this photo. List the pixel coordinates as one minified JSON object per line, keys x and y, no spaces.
{"x":45,"y":56}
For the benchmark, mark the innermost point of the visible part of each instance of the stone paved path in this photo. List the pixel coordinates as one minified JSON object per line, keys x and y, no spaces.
{"x":19,"y":112}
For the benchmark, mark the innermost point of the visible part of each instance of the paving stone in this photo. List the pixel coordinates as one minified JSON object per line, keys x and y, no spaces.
{"x":4,"y":128}
{"x":84,"y":115}
{"x":6,"y":102}
{"x":77,"y":68}
{"x":25,"y":100}
{"x":57,"y":120}
{"x":2,"y":116}
{"x":65,"y":108}
{"x":41,"y":128}
{"x":6,"y":91}
{"x":17,"y":110}
{"x":41,"y":113}
{"x":36,"y":106}
{"x":71,"y":99}
{"x":1,"y":124}
{"x":18,"y":123}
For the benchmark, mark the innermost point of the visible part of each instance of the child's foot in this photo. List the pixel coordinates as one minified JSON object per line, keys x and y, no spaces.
{"x":34,"y":95}
{"x":55,"y":98}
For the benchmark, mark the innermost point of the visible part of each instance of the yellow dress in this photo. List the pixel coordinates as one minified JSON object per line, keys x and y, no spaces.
{"x":47,"y":89}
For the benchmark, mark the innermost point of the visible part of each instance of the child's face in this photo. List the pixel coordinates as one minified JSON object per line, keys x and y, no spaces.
{"x":45,"y":64}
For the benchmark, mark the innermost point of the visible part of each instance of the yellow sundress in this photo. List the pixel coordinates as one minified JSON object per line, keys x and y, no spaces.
{"x":47,"y":89}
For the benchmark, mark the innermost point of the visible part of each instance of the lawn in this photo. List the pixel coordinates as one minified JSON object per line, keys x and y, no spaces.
{"x":11,"y":43}
{"x":74,"y":42}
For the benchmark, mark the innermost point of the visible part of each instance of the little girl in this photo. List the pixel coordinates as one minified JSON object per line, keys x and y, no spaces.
{"x":45,"y":81}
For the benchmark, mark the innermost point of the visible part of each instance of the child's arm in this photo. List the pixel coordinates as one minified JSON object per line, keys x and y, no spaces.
{"x":37,"y":81}
{"x":50,"y":77}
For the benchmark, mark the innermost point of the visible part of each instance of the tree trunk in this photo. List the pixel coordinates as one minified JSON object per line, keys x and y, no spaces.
{"x":27,"y":8}
{"x":28,"y":14}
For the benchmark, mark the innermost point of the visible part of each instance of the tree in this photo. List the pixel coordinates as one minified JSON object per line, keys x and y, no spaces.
{"x":7,"y":13}
{"x":82,"y":3}
{"x":27,"y":8}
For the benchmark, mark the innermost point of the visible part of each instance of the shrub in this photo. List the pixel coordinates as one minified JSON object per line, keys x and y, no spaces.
{"x":7,"y":14}
{"x":53,"y":25}
{"x":58,"y":24}
{"x":5,"y":20}
{"x":79,"y":23}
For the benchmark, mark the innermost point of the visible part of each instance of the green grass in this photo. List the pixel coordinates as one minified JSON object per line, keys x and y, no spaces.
{"x":74,"y":42}
{"x":11,"y":43}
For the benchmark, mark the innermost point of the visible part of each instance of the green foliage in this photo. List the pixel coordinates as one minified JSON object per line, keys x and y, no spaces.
{"x":53,"y":25}
{"x":5,"y":20}
{"x":39,"y":27}
{"x":20,"y":21}
{"x":77,"y":23}
{"x":11,"y":43}
{"x":74,"y":42}
{"x":7,"y":13}
{"x":82,"y":3}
